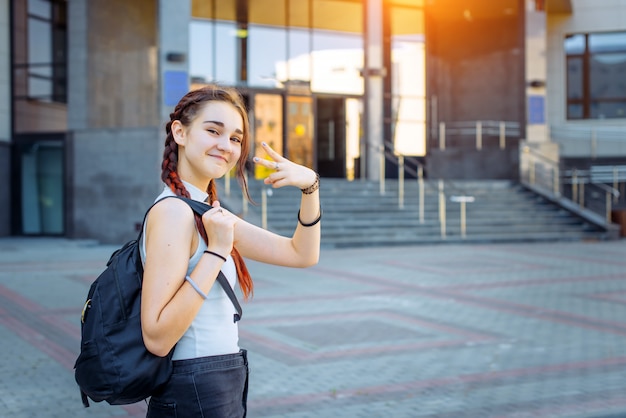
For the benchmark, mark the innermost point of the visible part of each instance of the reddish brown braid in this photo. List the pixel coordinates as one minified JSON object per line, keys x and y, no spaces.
{"x":185,"y":112}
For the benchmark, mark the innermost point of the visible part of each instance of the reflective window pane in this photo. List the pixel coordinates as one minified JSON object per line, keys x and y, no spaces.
{"x":267,"y":12}
{"x":607,"y":42}
{"x":608,"y":110}
{"x":264,"y":61}
{"x":40,"y":8}
{"x":408,"y":81}
{"x":226,"y":60}
{"x":203,"y":9}
{"x":574,"y":44}
{"x":268,"y":128}
{"x":575,"y":111}
{"x":299,"y":63}
{"x":336,"y":62}
{"x":575,"y":78}
{"x":299,"y":13}
{"x":201,"y":63}
{"x":40,"y":88}
{"x":608,"y":76}
{"x":39,"y":46}
{"x":595,"y":75}
{"x":337,"y":56}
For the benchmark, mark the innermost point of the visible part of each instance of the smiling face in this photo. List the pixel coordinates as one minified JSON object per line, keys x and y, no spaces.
{"x":211,"y":145}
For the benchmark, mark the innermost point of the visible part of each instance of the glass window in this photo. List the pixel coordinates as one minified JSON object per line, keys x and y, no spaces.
{"x":201,"y":64}
{"x":226,"y":57}
{"x":39,"y":53}
{"x":575,"y":111}
{"x":337,"y":42}
{"x":608,"y":76}
{"x":263,"y":62}
{"x":203,"y":9}
{"x":607,"y":42}
{"x":298,"y":14}
{"x":596,"y":70}
{"x":44,"y":72}
{"x":39,"y":8}
{"x":574,"y":44}
{"x":337,"y":59}
{"x":575,"y":78}
{"x":299,"y":63}
{"x":408,"y":81}
{"x":268,"y":128}
{"x":42,"y":187}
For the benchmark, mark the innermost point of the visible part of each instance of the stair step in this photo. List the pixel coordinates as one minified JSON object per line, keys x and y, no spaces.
{"x":356,"y":214}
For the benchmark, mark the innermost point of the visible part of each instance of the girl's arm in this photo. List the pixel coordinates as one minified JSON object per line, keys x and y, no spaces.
{"x":169,"y":303}
{"x":303,"y":248}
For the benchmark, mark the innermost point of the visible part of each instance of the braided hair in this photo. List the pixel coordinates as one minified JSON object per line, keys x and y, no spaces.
{"x":186,"y":111}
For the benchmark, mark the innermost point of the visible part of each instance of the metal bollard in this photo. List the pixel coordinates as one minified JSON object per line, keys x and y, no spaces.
{"x":420,"y":184}
{"x":401,"y":182}
{"x":442,"y":210}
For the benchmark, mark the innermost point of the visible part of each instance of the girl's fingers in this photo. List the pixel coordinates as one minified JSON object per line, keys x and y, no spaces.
{"x":273,"y":154}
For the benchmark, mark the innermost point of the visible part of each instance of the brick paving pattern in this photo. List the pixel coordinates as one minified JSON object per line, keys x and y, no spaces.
{"x":502,"y":330}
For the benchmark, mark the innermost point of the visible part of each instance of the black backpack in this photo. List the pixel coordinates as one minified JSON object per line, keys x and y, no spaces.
{"x":114,"y":364}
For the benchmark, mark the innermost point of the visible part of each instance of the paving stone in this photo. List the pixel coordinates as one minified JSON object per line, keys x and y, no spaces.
{"x":503,"y":330}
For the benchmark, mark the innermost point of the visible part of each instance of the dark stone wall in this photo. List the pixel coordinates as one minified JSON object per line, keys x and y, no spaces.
{"x":475,"y":71}
{"x":461,"y":164}
{"x":115,"y":143}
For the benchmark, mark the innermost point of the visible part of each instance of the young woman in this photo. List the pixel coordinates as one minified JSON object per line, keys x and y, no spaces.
{"x":182,"y":305}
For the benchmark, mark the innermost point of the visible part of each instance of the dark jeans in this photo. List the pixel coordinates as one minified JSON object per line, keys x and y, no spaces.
{"x":207,"y":387}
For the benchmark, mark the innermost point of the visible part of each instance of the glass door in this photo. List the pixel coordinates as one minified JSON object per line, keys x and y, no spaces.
{"x":300,"y":130}
{"x":338,"y":136}
{"x":268,"y":127}
{"x":41,"y":187}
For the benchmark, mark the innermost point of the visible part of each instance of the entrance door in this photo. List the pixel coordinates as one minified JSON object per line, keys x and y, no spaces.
{"x":41,"y":186}
{"x":331,"y":136}
{"x":268,"y":128}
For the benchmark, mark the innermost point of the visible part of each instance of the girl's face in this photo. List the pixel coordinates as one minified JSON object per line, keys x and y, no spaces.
{"x":211,"y":145}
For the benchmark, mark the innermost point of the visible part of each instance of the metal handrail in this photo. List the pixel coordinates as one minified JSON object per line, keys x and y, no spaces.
{"x":578,"y":179}
{"x":479,"y":128}
{"x":458,"y":195}
{"x":388,"y":154}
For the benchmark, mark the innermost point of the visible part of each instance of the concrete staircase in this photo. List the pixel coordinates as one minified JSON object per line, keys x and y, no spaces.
{"x":356,"y":214}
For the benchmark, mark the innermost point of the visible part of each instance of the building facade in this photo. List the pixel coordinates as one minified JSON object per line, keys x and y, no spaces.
{"x":87,"y":86}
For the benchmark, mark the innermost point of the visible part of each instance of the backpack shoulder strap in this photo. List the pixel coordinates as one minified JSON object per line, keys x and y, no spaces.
{"x":231,"y":295}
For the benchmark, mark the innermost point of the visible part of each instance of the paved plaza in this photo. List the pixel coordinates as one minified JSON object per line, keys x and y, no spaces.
{"x":490,"y":330}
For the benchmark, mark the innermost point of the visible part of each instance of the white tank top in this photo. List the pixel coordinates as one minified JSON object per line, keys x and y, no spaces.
{"x":213,"y":331}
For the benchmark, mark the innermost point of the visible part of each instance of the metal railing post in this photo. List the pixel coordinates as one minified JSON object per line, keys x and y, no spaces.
{"x":420,"y":184}
{"x":401,"y":181}
{"x":264,"y":208}
{"x":608,"y":206}
{"x":531,"y":171}
{"x":442,"y":135}
{"x":244,"y":201}
{"x":479,"y":135}
{"x":442,"y":210}
{"x":582,"y":194}
{"x":382,"y":170}
{"x":555,"y":183}
{"x":594,"y":144}
{"x":227,"y":183}
{"x":575,"y":185}
{"x":502,"y":135}
{"x":615,"y":183}
{"x":463,"y":227}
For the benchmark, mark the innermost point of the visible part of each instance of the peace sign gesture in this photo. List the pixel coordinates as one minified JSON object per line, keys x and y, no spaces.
{"x":286,"y":173}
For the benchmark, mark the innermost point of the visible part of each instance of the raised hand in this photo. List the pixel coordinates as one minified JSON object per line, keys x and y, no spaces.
{"x":286,"y":173}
